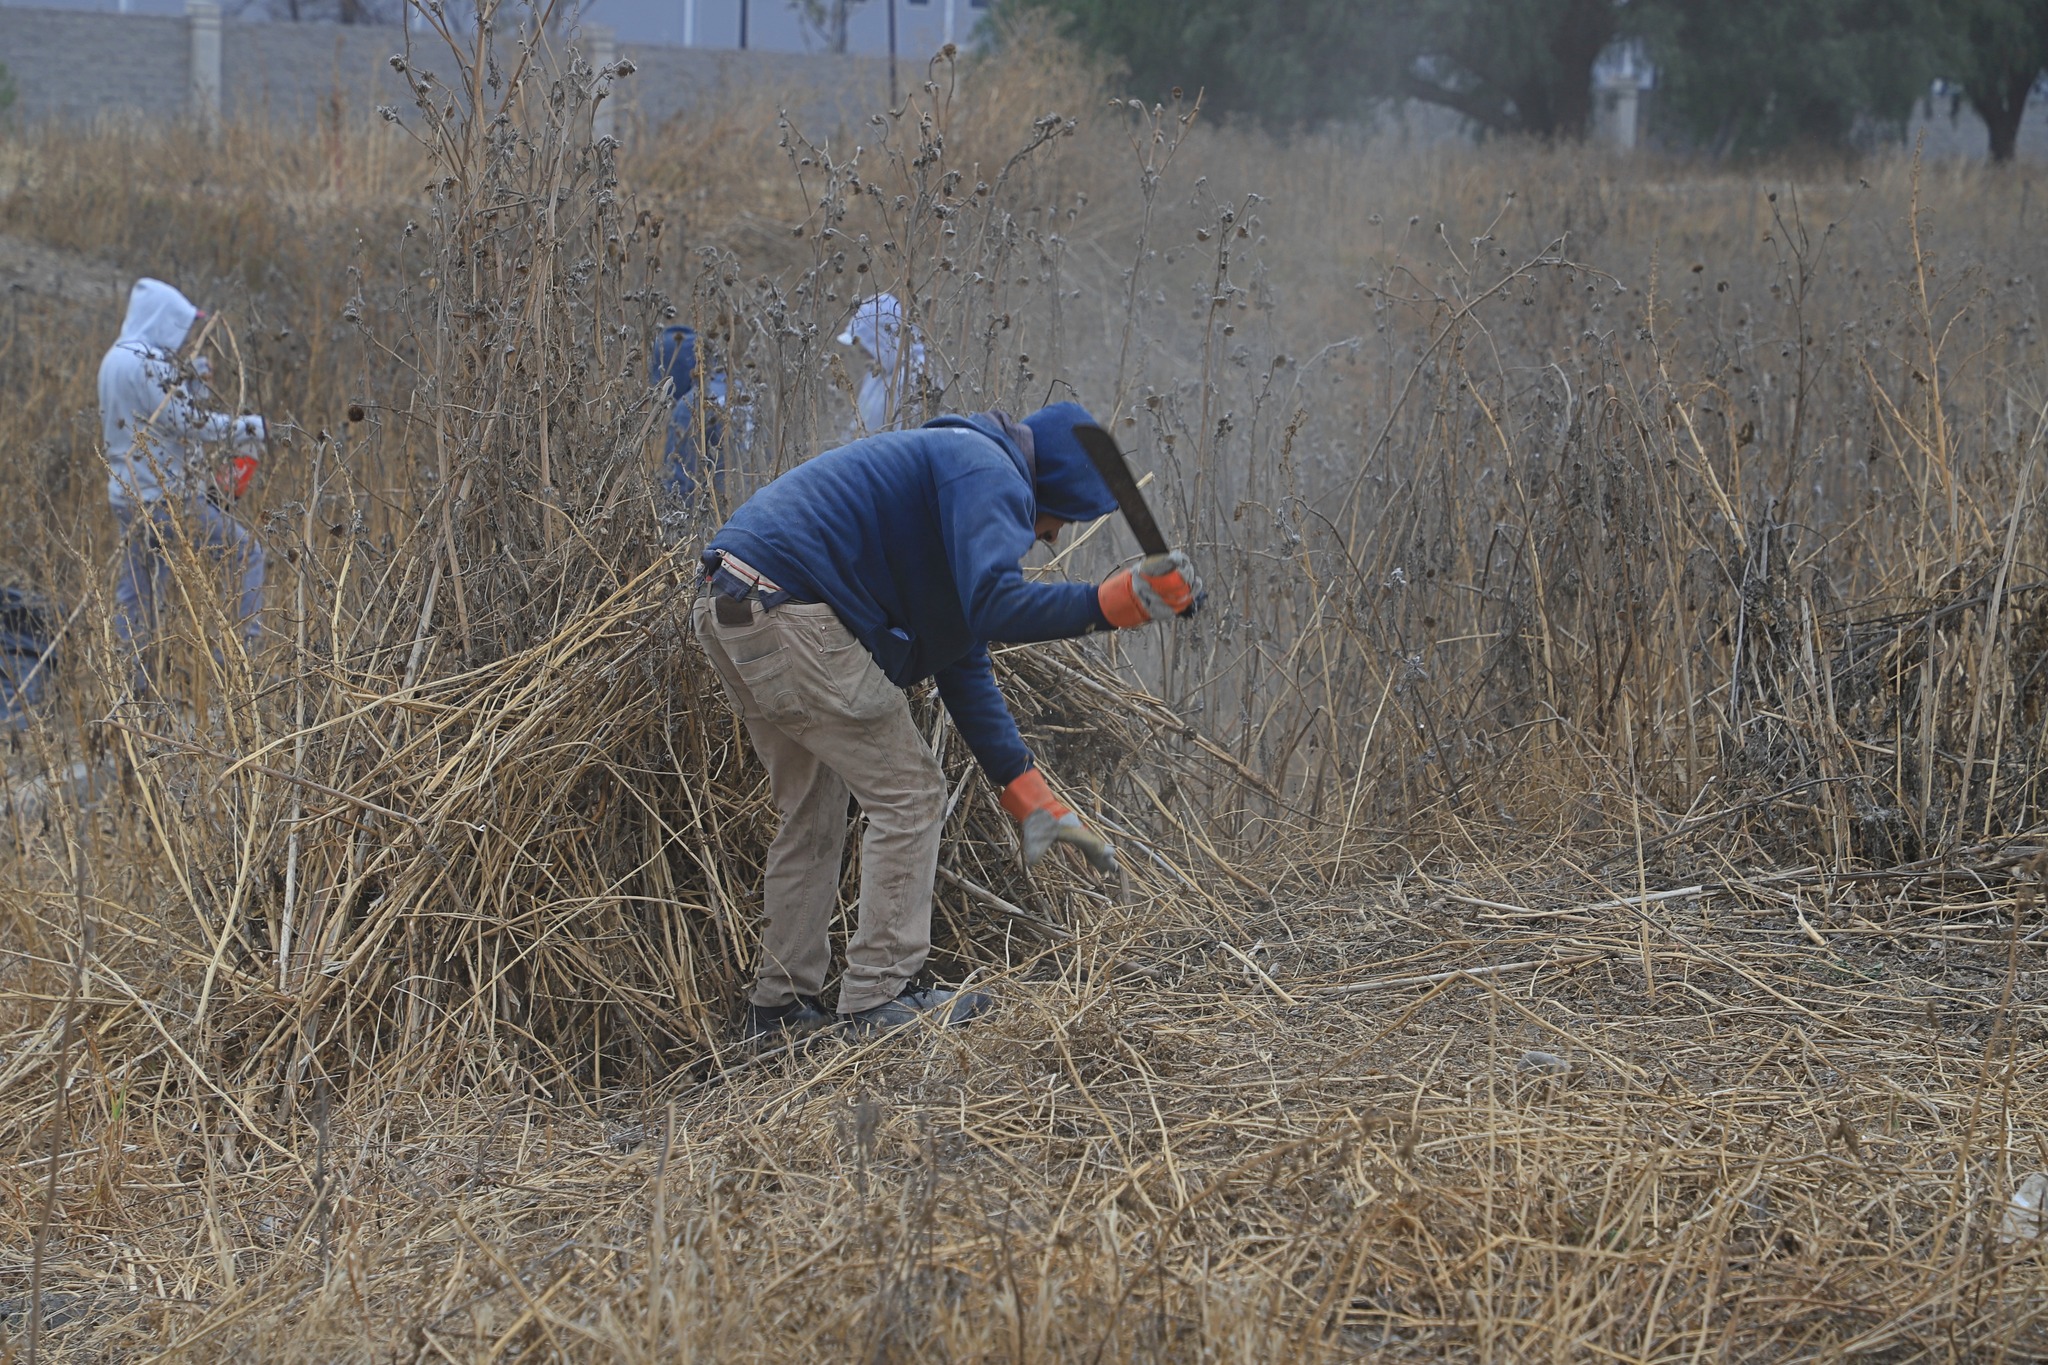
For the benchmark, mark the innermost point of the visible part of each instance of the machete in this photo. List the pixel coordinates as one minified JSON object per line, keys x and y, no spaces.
{"x":1109,"y":462}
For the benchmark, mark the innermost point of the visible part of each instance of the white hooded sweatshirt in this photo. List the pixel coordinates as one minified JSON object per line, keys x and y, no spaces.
{"x":878,"y":328}
{"x":152,"y":426}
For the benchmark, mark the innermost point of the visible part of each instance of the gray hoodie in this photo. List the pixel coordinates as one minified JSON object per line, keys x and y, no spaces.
{"x":152,"y":426}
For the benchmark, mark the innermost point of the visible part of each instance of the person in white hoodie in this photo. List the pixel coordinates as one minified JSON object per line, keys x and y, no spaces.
{"x":155,"y":428}
{"x":894,"y":369}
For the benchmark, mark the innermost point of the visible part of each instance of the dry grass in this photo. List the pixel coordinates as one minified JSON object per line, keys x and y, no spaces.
{"x":1582,"y":866}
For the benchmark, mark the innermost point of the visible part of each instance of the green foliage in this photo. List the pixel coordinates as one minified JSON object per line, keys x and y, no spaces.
{"x":6,"y":89}
{"x":1508,"y":65}
{"x":1511,"y":66}
{"x":1747,"y":76}
{"x":1285,"y":61}
{"x":1737,"y":77}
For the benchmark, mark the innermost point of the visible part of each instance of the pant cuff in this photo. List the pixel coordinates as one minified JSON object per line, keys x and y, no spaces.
{"x":854,"y":1004}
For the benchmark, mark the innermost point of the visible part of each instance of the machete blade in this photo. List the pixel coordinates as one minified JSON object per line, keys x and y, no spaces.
{"x":1109,"y":462}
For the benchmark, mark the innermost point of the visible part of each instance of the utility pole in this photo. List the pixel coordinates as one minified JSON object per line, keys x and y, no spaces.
{"x":949,"y":21}
{"x":743,"y":25}
{"x":689,"y":23}
{"x":893,"y":102}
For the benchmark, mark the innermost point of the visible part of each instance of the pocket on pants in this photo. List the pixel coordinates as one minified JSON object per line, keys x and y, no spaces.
{"x":862,"y":688}
{"x":771,"y":679}
{"x":760,"y":659}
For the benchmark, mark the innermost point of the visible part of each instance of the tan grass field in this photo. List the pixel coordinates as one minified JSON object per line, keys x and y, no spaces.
{"x":1582,"y":864}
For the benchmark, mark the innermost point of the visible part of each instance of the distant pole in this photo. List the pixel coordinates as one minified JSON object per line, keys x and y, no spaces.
{"x":689,"y":23}
{"x":743,"y":25}
{"x":1618,"y":92}
{"x":892,"y":54}
{"x":202,"y":21}
{"x":949,"y":20}
{"x":1627,"y":97}
{"x":600,"y":47}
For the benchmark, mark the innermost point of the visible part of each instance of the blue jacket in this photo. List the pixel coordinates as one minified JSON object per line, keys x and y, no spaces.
{"x":914,"y":539}
{"x":674,"y":361}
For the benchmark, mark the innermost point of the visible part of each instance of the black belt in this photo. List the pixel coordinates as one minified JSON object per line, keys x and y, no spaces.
{"x":734,"y":596}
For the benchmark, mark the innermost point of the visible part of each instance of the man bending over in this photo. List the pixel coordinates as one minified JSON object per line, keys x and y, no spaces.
{"x":856,"y":575}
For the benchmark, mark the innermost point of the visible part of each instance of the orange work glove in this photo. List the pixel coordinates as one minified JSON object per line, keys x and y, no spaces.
{"x":234,"y":479}
{"x":1161,"y":588}
{"x":1046,"y":821}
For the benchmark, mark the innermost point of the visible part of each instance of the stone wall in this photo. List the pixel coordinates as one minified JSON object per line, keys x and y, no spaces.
{"x":816,"y":88}
{"x":296,"y":72}
{"x":72,"y":64}
{"x":77,"y":65}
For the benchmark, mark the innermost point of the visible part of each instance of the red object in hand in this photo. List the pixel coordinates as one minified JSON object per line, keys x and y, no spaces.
{"x":234,"y":480}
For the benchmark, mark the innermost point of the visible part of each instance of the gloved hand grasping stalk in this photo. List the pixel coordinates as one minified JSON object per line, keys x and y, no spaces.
{"x":1159,"y":589}
{"x":1046,"y":820}
{"x":248,"y":436}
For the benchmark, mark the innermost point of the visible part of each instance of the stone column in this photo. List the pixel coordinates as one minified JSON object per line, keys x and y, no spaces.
{"x":202,"y":18}
{"x":600,"y":48}
{"x":1626,"y":94}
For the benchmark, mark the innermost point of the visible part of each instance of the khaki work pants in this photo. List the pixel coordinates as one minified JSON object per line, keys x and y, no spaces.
{"x":825,"y":721}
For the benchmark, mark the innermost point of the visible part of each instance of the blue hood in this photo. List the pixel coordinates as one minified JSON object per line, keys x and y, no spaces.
{"x":1065,"y":483}
{"x":674,"y":359}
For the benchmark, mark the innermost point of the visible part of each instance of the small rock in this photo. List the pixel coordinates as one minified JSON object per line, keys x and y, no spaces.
{"x":1544,"y":1063}
{"x":59,"y":1310}
{"x":2026,"y":1213}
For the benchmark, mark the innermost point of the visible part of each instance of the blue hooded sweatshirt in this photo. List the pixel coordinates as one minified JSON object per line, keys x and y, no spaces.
{"x":675,"y":361}
{"x":914,"y":538}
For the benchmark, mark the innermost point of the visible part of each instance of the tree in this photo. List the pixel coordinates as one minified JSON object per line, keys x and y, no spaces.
{"x":389,"y":12}
{"x":1749,"y":76}
{"x":1511,"y":66}
{"x":1997,"y":51}
{"x":1164,"y":44}
{"x":828,"y":19}
{"x":1736,"y":76}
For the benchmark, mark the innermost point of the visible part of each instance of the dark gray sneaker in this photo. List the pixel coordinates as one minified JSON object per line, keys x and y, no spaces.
{"x":947,"y":1009}
{"x":768,"y":1025}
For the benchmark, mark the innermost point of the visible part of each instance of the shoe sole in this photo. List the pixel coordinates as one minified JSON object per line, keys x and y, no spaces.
{"x":876,"y":1029}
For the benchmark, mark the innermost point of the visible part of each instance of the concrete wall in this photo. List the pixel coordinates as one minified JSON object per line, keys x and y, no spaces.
{"x":294,"y":72}
{"x":818,"y":89}
{"x":76,"y":65}
{"x":72,"y":65}
{"x":773,"y":25}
